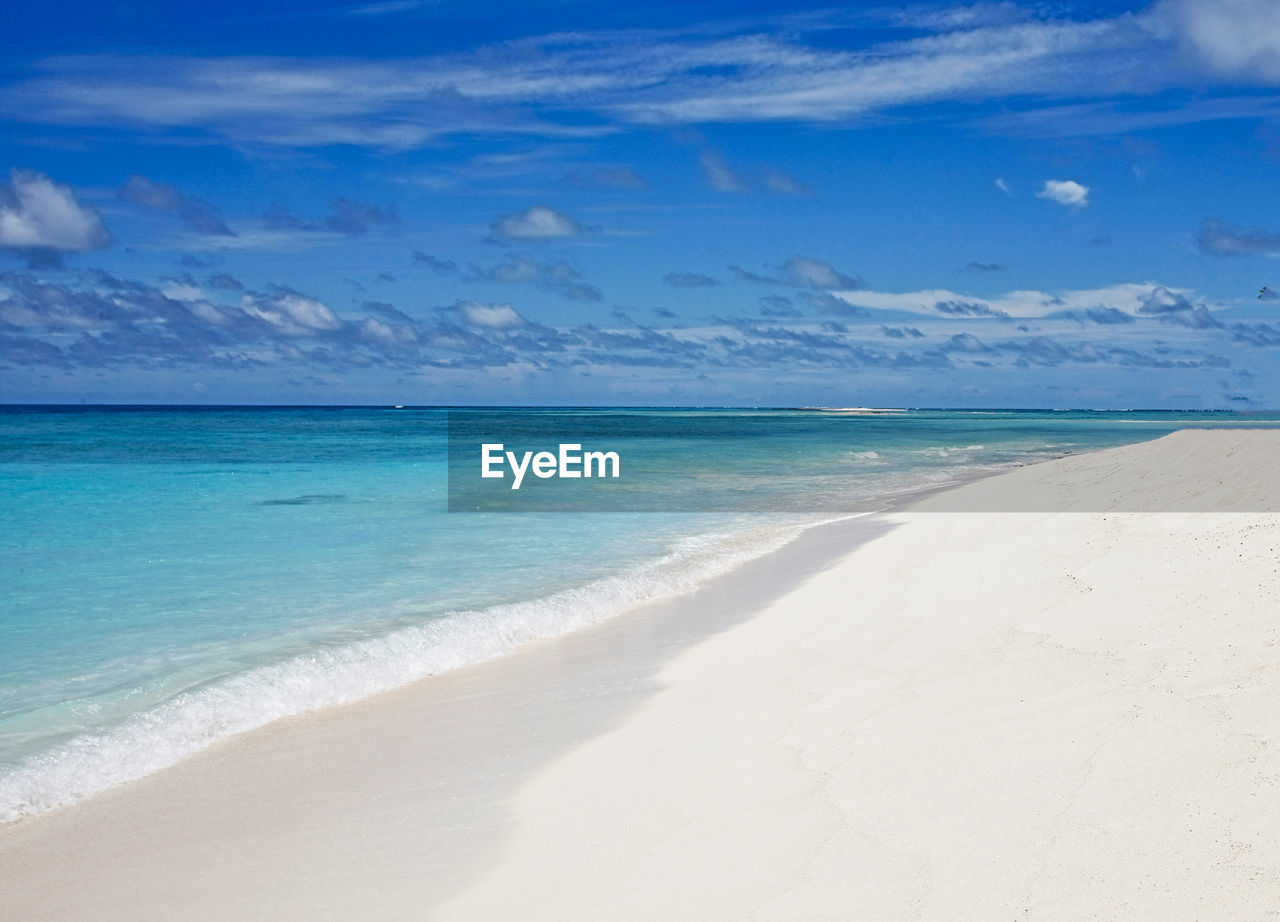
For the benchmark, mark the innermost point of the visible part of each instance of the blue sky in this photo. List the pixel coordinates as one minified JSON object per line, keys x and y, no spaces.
{"x":412,"y":202}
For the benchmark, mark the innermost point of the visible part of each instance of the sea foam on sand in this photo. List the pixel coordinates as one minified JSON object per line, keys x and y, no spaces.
{"x":971,"y":715}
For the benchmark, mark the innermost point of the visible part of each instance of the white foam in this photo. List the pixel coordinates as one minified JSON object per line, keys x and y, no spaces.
{"x":193,"y":720}
{"x":946,"y":451}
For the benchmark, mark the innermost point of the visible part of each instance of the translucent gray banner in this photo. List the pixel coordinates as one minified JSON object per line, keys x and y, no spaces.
{"x":802,"y":461}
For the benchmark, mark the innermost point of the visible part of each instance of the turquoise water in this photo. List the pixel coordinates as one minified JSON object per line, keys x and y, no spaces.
{"x":169,"y":577}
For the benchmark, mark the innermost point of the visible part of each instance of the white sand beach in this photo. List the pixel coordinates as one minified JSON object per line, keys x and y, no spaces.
{"x":936,"y":715}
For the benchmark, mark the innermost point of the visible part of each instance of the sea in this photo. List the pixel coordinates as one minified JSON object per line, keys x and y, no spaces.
{"x":171,"y":576}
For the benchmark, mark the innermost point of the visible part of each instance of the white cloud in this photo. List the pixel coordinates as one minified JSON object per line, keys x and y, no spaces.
{"x":156,"y":195}
{"x":1065,"y":192}
{"x":781,"y":183}
{"x":944,"y":18}
{"x":650,"y":77}
{"x":489,"y":316}
{"x":515,"y":269}
{"x":1129,"y":298}
{"x":1108,"y":117}
{"x":384,"y":9}
{"x":717,"y":74}
{"x":208,"y":313}
{"x":291,"y":313}
{"x":38,"y":213}
{"x":721,"y":178}
{"x":1235,"y":38}
{"x":387,"y":334}
{"x":181,"y":290}
{"x":1003,"y":187}
{"x":763,"y":78}
{"x":804,"y":272}
{"x":537,"y":223}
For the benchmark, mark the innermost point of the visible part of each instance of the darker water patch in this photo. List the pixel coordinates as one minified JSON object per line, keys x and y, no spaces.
{"x":308,"y":499}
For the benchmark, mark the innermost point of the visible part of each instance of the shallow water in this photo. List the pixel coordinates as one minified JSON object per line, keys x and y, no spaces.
{"x":169,"y":577}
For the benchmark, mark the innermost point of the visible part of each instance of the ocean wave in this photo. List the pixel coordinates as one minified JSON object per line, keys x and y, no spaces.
{"x":167,"y":733}
{"x":946,"y":451}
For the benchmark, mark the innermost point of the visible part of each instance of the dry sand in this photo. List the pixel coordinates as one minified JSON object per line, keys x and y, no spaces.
{"x":911,"y":716}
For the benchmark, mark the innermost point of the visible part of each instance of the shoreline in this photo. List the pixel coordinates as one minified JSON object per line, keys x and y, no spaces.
{"x":546,"y":697}
{"x":187,"y":744}
{"x":417,"y":793}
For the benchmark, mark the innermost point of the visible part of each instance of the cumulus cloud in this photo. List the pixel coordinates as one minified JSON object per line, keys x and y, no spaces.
{"x":291,"y":313}
{"x":558,"y":276}
{"x":803,"y":272}
{"x":37,"y":214}
{"x":514,"y":269}
{"x":689,"y":280}
{"x":1128,"y":297}
{"x":195,"y":215}
{"x":489,"y":316}
{"x":106,"y":321}
{"x":388,"y":312}
{"x":965,"y":342}
{"x":746,"y":275}
{"x":1220,"y":239}
{"x":1177,"y":307}
{"x":181,"y":289}
{"x":968,"y":309}
{"x":1043,"y":350}
{"x":387,"y":334}
{"x":536,"y":223}
{"x":1100,"y":315}
{"x":828,"y":303}
{"x":1065,"y":192}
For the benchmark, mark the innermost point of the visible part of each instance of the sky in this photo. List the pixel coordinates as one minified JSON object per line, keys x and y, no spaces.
{"x":430,"y":202}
